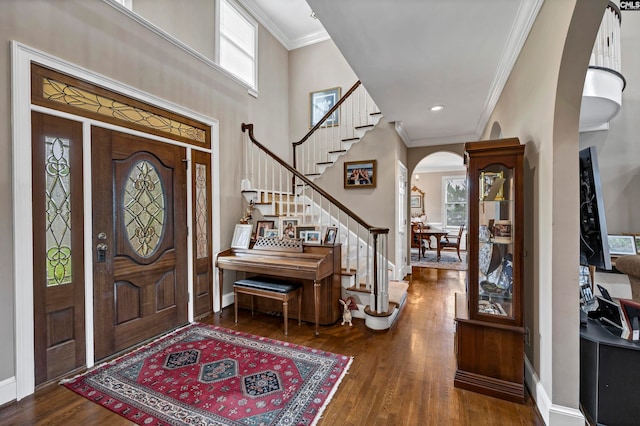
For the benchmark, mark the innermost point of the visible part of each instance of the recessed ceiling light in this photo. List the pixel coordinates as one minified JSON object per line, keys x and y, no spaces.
{"x":436,"y":108}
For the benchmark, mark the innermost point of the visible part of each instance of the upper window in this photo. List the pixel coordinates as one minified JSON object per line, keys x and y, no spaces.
{"x":126,"y":3}
{"x":454,"y":201}
{"x":238,"y":43}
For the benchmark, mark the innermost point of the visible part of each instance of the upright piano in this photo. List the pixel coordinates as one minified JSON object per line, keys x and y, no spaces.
{"x":317,"y":267}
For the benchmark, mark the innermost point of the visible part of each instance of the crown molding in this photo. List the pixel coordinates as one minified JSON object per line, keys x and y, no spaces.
{"x":525,"y":18}
{"x":258,"y":13}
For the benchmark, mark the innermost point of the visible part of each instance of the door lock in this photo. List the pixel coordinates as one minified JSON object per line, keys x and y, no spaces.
{"x":102,"y":252}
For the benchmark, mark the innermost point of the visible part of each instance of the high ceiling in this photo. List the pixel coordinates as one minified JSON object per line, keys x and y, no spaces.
{"x":415,"y":54}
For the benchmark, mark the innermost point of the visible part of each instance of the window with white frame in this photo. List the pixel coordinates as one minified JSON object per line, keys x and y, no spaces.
{"x":454,"y":201}
{"x":126,"y":3}
{"x":238,"y":42}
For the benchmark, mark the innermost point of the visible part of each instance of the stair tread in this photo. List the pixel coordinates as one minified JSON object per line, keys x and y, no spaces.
{"x":338,"y":151}
{"x":350,"y":139}
{"x":324,"y":162}
{"x":365,"y":126}
{"x":376,"y":113}
{"x":359,"y":288}
{"x":392,"y":307}
{"x":349,"y":272}
{"x":312,"y":174}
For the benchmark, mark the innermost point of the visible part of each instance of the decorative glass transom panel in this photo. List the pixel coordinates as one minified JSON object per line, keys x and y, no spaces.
{"x":202,"y":245}
{"x":79,"y":98}
{"x":144,"y":208}
{"x":58,"y":211}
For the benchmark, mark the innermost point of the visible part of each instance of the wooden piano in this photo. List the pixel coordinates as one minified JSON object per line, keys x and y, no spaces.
{"x":318,"y":267}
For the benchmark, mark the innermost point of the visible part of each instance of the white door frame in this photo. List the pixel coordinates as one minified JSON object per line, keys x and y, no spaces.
{"x":23,"y":384}
{"x":402,"y":262}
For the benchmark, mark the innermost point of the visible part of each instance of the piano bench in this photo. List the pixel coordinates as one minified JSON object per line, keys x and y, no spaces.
{"x":271,"y":288}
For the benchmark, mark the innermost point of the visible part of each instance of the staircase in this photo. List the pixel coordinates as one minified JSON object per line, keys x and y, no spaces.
{"x":278,"y":190}
{"x":329,"y":139}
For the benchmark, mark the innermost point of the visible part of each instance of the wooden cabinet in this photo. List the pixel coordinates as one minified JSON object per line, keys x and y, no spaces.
{"x":489,"y":328}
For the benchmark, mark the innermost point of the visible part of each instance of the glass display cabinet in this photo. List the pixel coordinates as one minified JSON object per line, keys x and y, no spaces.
{"x":489,"y":326}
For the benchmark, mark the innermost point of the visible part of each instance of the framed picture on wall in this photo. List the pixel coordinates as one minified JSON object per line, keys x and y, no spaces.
{"x":416,"y":201}
{"x":620,"y":245}
{"x":360,"y":174}
{"x":321,"y":102}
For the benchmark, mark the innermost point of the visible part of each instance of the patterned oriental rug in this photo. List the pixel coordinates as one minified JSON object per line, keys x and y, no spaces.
{"x":448,"y":260}
{"x":209,"y":375}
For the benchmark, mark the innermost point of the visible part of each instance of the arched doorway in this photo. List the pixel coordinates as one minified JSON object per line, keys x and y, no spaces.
{"x":438,"y":199}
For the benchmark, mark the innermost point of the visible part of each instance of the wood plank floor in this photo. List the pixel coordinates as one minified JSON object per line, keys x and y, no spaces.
{"x":403,"y":376}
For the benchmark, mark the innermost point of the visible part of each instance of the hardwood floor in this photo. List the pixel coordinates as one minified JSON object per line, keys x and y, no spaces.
{"x":403,"y":376}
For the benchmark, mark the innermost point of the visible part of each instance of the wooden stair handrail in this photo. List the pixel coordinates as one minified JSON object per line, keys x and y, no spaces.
{"x":306,"y":180}
{"x":327,"y":115}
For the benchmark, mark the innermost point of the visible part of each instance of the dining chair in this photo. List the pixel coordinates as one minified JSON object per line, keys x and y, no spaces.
{"x":449,"y":241}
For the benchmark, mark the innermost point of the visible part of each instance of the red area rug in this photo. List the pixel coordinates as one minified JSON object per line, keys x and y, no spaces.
{"x":208,"y":375}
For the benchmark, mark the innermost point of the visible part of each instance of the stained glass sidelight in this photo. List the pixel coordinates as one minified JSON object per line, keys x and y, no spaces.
{"x":144,"y":208}
{"x":58,"y":211}
{"x":202,"y":245}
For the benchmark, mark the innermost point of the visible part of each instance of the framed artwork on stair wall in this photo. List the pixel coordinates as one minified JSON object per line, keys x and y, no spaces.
{"x":360,"y":174}
{"x":321,"y":102}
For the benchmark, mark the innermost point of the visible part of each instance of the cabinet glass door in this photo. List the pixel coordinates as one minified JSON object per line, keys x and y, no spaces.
{"x":495,"y":241}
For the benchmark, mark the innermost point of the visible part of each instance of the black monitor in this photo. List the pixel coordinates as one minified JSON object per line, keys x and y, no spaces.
{"x":594,"y":243}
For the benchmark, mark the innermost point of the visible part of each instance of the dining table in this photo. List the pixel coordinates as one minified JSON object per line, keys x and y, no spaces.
{"x":425,"y":233}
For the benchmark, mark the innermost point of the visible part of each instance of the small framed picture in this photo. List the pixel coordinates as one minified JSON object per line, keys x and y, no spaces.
{"x":330,"y":235}
{"x":304,"y":228}
{"x":360,"y":174}
{"x":416,"y":201}
{"x":491,"y":186}
{"x":262,"y":226}
{"x":620,"y":245}
{"x":637,"y":243}
{"x":312,"y":237}
{"x":288,"y":226}
{"x":271,"y":233}
{"x":241,"y":236}
{"x":321,"y":102}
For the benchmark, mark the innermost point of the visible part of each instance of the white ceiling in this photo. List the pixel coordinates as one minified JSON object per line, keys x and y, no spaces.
{"x":413,"y":54}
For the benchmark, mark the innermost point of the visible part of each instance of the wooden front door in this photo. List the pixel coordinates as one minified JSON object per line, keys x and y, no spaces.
{"x":139,"y":239}
{"x":58,"y":267}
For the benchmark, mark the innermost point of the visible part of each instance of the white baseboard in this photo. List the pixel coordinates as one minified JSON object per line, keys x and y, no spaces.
{"x":7,"y":390}
{"x":552,"y":414}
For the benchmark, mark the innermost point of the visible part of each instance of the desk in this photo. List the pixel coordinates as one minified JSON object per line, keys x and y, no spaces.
{"x":428,"y":233}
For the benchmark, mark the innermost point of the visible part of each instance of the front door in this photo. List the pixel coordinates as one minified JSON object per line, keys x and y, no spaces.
{"x":139,"y":239}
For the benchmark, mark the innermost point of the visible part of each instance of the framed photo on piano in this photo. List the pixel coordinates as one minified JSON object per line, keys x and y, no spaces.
{"x":262,"y":226}
{"x":288,"y":226}
{"x":330,"y":235}
{"x":242,"y":236}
